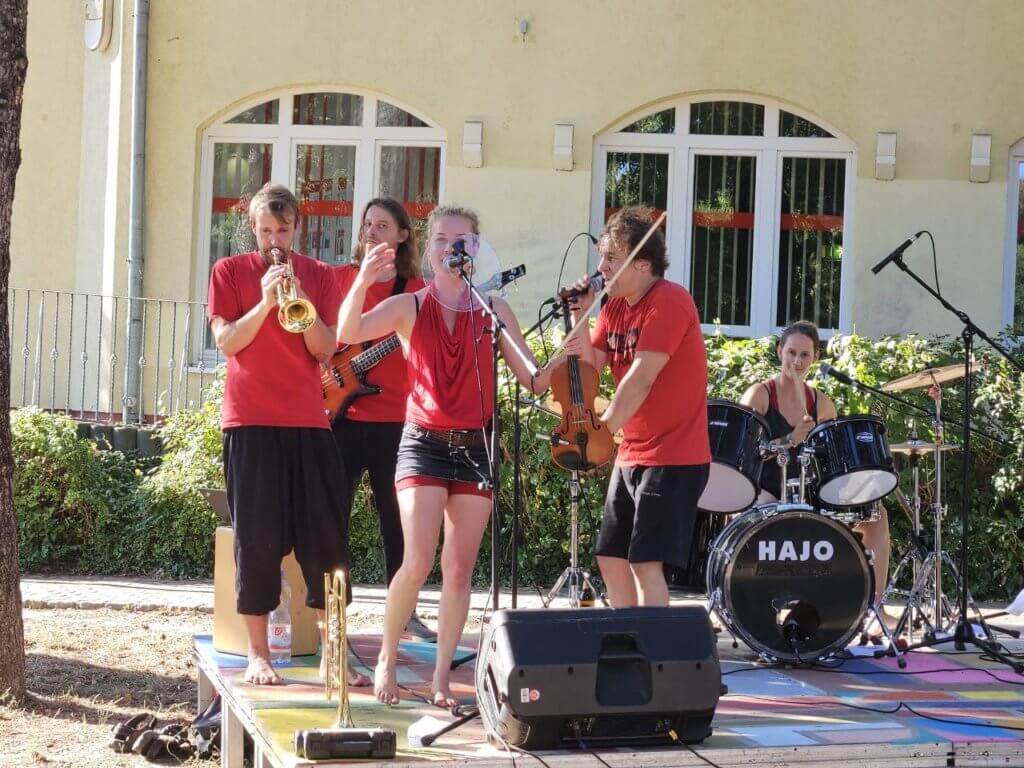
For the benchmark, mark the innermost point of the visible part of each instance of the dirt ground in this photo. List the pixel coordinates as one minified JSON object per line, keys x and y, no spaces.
{"x":89,"y":669}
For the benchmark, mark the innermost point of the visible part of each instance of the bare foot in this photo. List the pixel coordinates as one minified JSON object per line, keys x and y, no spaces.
{"x":385,"y":684}
{"x":259,"y":672}
{"x":357,"y":679}
{"x":442,"y":693}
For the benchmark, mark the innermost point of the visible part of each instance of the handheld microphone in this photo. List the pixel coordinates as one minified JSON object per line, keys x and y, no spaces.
{"x":827,"y":370}
{"x":458,"y":257}
{"x":897,"y":253}
{"x":595,"y":285}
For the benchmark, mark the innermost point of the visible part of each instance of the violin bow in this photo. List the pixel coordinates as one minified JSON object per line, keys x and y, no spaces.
{"x":604,"y":291}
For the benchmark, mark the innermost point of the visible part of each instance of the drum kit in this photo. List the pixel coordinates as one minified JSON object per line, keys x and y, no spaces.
{"x":791,"y":578}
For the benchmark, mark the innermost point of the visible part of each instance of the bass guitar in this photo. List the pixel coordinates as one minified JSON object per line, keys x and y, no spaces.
{"x":344,"y":378}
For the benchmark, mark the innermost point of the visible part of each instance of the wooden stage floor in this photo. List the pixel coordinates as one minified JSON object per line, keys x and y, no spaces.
{"x":945,"y":709}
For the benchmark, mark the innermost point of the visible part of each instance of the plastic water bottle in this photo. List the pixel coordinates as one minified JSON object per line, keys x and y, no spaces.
{"x":279,"y":626}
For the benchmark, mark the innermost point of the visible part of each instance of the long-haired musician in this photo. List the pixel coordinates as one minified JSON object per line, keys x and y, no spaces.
{"x":284,"y":476}
{"x":369,"y":430}
{"x":442,"y":458}
{"x":792,"y":409}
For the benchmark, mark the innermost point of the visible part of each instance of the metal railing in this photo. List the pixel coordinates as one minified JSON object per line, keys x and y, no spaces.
{"x":69,"y":353}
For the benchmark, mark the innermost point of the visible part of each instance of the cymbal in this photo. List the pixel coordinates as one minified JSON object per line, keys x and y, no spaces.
{"x":915,"y":447}
{"x":929,"y":376}
{"x":600,"y":405}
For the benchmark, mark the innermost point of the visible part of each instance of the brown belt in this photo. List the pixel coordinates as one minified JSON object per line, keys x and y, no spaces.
{"x":453,"y":438}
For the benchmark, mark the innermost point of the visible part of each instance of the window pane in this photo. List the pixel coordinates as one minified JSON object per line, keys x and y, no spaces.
{"x":1018,"y":292}
{"x":412,"y":175}
{"x":794,"y":126}
{"x":659,"y":122}
{"x":390,"y":116}
{"x":811,"y":241}
{"x":239,"y":170}
{"x":327,"y":109}
{"x":636,"y":178}
{"x":324,"y":184}
{"x":727,"y":118}
{"x":722,"y":252}
{"x":263,"y":114}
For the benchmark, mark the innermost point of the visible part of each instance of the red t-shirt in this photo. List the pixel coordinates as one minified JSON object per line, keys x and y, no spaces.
{"x":447,"y":389}
{"x":671,"y":426}
{"x":273,"y":382}
{"x":389,"y":374}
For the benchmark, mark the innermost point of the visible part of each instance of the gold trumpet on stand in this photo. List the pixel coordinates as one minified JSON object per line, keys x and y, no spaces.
{"x":344,"y":739}
{"x":294,"y":314}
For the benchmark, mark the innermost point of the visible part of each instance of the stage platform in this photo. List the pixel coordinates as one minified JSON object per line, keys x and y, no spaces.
{"x":943,"y":710}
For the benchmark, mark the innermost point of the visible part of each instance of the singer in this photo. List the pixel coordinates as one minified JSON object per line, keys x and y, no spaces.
{"x":649,"y":334}
{"x":792,"y":409}
{"x":441,"y":476}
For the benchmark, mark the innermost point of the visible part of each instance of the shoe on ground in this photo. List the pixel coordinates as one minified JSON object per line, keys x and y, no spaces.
{"x":417,"y":628}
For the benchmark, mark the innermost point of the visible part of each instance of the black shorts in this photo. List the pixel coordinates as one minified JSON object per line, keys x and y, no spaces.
{"x":422,"y":455}
{"x":649,"y":513}
{"x":285,"y":486}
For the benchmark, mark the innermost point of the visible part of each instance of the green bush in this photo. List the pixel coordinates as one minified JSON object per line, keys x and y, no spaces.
{"x":79,"y":508}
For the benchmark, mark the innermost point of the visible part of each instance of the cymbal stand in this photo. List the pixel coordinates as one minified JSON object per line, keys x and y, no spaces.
{"x":574,"y":576}
{"x":927,"y":572}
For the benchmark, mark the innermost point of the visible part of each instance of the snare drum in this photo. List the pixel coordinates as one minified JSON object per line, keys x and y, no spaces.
{"x":736,"y":433}
{"x":852,"y":459}
{"x":790,"y":583}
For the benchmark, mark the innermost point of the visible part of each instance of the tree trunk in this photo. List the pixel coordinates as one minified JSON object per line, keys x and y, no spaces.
{"x":13,"y":65}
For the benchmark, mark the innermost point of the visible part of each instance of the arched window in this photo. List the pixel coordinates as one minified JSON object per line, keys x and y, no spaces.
{"x":758,"y":201}
{"x":1013,"y":275}
{"x":335,"y":150}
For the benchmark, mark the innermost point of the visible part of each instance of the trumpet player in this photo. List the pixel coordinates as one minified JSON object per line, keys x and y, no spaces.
{"x":284,"y":475}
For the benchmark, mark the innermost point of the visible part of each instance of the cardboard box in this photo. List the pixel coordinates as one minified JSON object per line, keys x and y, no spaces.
{"x":229,"y":634}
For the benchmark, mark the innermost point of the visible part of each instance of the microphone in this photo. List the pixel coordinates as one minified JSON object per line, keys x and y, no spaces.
{"x":594,"y":285}
{"x":827,"y":370}
{"x":799,"y":621}
{"x":897,"y":253}
{"x":502,"y":279}
{"x":458,"y":257}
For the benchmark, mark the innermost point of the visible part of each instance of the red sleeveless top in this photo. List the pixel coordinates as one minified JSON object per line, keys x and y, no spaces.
{"x":446,"y":386}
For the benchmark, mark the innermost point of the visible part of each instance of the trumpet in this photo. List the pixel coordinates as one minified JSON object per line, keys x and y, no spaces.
{"x":294,"y":314}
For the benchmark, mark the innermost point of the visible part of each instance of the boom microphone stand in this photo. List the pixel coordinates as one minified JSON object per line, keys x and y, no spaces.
{"x":964,"y":632}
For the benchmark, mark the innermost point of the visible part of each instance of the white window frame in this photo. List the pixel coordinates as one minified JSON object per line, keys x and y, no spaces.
{"x":769,"y":151}
{"x":284,"y":136}
{"x":1012,"y":212}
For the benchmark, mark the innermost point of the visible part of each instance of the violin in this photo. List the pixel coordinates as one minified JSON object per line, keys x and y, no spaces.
{"x":581,"y":441}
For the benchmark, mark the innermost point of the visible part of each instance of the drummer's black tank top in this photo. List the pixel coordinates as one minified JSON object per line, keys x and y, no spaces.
{"x":779,"y":427}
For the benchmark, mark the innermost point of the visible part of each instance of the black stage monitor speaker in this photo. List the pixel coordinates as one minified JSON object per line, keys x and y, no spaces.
{"x":552,"y":678}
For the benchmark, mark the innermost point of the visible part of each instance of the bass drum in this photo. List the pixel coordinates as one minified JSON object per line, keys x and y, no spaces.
{"x":790,"y":583}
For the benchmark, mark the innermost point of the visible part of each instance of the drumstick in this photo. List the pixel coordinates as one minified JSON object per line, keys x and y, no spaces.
{"x":597,"y":299}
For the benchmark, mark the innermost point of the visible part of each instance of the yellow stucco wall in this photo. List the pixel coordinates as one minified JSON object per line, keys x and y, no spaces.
{"x":932,"y":70}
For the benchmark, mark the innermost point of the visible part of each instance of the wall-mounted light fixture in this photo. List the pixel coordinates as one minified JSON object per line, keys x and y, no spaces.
{"x":472,"y":144}
{"x":885,"y":156}
{"x":562,"y":157}
{"x":981,"y":157}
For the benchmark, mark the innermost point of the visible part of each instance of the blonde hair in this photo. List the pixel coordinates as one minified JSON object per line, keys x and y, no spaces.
{"x":275,"y":198}
{"x":453,"y":210}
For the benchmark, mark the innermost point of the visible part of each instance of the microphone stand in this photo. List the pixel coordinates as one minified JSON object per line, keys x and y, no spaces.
{"x":494,"y":459}
{"x":964,"y":632}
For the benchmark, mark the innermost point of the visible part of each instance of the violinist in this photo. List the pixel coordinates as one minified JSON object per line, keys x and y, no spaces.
{"x":649,"y":335}
{"x":442,"y":461}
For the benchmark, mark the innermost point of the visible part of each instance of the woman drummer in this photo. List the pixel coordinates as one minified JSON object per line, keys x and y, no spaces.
{"x":792,"y":409}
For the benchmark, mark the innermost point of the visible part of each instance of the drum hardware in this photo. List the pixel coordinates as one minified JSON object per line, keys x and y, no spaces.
{"x":965,"y":630}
